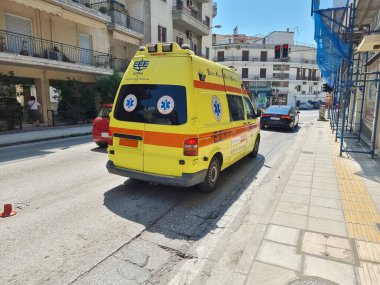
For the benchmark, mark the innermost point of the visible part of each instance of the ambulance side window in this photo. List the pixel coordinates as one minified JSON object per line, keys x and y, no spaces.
{"x":249,"y":109}
{"x":235,"y":105}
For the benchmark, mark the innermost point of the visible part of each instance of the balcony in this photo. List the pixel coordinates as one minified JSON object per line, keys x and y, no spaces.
{"x":26,"y":50}
{"x":120,"y":20}
{"x":189,"y":20}
{"x":214,"y":9}
{"x":119,"y":65}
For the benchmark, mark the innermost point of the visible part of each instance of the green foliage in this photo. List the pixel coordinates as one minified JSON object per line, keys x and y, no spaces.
{"x":8,"y":84}
{"x":76,"y":100}
{"x":106,"y":87}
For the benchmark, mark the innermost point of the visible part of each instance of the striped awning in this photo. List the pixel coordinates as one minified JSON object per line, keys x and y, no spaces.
{"x":41,"y":5}
{"x":125,"y":38}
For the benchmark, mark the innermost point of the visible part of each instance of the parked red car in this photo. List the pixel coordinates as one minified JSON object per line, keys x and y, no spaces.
{"x":100,"y":126}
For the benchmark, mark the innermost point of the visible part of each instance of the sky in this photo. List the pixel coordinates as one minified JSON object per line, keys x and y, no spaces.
{"x":260,"y":17}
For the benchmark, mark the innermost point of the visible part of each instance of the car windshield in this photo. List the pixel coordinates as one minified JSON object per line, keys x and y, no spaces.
{"x":152,"y":104}
{"x":278,"y":110}
{"x":105,"y":112}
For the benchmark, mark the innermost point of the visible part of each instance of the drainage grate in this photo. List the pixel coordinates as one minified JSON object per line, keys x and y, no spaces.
{"x":311,"y":281}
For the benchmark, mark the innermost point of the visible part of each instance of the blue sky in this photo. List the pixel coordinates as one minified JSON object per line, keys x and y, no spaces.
{"x":260,"y":17}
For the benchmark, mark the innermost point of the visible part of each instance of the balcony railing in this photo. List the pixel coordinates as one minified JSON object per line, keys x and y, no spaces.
{"x":119,"y":17}
{"x":191,"y":19}
{"x":40,"y":48}
{"x":119,"y":65}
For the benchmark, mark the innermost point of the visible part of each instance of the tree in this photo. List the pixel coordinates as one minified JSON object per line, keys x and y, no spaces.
{"x":106,"y":87}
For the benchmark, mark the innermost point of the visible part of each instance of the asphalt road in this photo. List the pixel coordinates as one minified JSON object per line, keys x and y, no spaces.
{"x":77,"y":224}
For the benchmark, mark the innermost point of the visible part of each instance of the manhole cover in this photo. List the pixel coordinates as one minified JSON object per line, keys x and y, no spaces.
{"x":311,"y":281}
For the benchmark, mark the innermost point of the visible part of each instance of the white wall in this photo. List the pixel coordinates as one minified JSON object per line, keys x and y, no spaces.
{"x":161,"y":13}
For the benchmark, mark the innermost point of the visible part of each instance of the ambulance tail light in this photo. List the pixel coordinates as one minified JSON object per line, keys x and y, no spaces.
{"x":190,"y":147}
{"x":110,"y":137}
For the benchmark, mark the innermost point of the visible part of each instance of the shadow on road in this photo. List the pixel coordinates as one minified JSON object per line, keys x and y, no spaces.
{"x":99,"y":149}
{"x":282,"y":130}
{"x":39,"y":149}
{"x":181,"y":213}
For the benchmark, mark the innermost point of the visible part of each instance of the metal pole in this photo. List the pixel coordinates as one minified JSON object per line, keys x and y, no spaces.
{"x":363,"y":94}
{"x":356,"y":90}
{"x":376,"y":118}
{"x":349,"y":62}
{"x":340,"y":96}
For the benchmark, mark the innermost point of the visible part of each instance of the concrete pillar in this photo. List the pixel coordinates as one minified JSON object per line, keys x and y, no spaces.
{"x":42,"y":97}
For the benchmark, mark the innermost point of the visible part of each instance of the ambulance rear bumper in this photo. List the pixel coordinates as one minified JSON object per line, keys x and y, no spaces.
{"x":186,"y":180}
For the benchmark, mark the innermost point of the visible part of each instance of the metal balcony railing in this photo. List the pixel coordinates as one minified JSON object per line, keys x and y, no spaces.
{"x":40,"y":48}
{"x":118,"y":16}
{"x":190,"y":12}
{"x":119,"y":65}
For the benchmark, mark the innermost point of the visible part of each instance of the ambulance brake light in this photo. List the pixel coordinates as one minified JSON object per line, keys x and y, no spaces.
{"x":190,"y":147}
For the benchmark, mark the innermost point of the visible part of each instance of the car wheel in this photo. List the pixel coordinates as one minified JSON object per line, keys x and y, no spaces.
{"x":292,"y":128}
{"x":255,"y":150}
{"x":101,"y":144}
{"x":212,"y":177}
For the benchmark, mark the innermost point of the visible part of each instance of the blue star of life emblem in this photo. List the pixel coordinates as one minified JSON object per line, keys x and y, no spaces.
{"x":165,"y":105}
{"x":130,"y":103}
{"x":140,"y":65}
{"x":216,"y":108}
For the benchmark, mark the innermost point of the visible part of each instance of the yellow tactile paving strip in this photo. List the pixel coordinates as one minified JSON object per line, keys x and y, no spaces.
{"x":360,"y":212}
{"x":361,"y":217}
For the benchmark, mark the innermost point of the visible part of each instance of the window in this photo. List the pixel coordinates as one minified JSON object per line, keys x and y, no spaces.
{"x":145,"y":110}
{"x":161,"y":34}
{"x":245,"y":55}
{"x":264,"y":56}
{"x":249,"y":109}
{"x":207,"y":20}
{"x":235,"y":105}
{"x":207,"y":53}
{"x":179,"y":41}
{"x":244,"y":72}
{"x":263,"y":72}
{"x":220,"y":55}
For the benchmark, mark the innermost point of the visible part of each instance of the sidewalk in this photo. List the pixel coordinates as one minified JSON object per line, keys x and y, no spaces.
{"x":43,"y":133}
{"x":327,"y":222}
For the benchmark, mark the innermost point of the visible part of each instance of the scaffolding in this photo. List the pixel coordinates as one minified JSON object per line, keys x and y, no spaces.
{"x":346,"y":70}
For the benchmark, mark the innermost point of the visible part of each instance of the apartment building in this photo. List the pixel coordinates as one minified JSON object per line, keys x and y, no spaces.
{"x":181,"y":21}
{"x":291,"y":81}
{"x":47,"y":40}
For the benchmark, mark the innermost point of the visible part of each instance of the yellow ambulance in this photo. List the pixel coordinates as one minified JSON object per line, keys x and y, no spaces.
{"x":179,"y":119}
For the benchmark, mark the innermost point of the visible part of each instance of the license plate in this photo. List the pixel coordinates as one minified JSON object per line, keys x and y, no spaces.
{"x":104,"y":135}
{"x":275,"y":118}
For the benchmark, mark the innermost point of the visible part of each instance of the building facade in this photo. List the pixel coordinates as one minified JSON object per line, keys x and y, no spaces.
{"x":289,"y":81}
{"x":60,"y":39}
{"x":182,"y":21}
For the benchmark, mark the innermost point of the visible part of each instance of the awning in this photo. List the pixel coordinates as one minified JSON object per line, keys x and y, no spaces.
{"x":125,"y":38}
{"x":41,"y":5}
{"x":370,"y":43}
{"x":68,"y":15}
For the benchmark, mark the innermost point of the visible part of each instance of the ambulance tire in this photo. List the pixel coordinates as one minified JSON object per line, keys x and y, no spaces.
{"x":255,"y":150}
{"x":212,"y":177}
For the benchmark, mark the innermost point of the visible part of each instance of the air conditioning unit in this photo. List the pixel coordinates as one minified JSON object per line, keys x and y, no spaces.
{"x":189,"y":34}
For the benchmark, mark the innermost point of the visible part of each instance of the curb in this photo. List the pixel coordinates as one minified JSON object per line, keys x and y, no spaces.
{"x":45,"y":139}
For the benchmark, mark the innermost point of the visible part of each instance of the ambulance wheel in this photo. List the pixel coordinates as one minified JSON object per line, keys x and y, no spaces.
{"x":255,"y":150}
{"x":212,"y":177}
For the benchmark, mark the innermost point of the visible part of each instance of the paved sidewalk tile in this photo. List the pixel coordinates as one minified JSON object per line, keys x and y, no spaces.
{"x":296,"y":198}
{"x":307,"y":178}
{"x":293,"y":208}
{"x":325,"y":186}
{"x":290,"y":220}
{"x":326,"y":202}
{"x":326,"y":213}
{"x":302,"y":172}
{"x":327,"y":226}
{"x":279,"y":254}
{"x":265,"y":274}
{"x":297,"y":190}
{"x":340,"y":273}
{"x":283,"y":234}
{"x":328,"y":180}
{"x":299,"y":183}
{"x":325,"y":193}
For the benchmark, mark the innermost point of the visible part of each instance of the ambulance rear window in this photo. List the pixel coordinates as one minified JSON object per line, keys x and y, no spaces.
{"x":152,"y":104}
